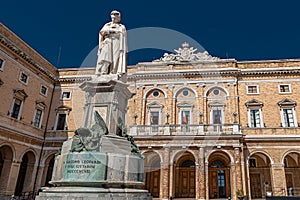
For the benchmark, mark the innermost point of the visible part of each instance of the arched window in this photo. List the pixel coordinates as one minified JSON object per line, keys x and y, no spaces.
{"x":188,"y":164}
{"x":217,"y":164}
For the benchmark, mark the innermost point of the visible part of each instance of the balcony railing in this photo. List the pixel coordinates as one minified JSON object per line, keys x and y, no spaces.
{"x":189,"y":129}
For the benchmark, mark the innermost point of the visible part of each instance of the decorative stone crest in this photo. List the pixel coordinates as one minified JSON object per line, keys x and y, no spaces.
{"x":187,"y":54}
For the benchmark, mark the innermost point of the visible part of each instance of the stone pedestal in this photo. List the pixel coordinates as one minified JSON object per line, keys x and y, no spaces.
{"x":107,"y":96}
{"x":111,"y":169}
{"x":106,"y":173}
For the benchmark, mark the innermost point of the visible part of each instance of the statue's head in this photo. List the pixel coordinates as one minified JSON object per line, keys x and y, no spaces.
{"x":115,"y":16}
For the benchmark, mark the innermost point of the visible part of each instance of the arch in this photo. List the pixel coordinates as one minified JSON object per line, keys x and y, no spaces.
{"x":177,"y":155}
{"x":47,"y":157}
{"x":262,"y":152}
{"x":185,"y":172}
{"x":226,"y":152}
{"x":286,"y":153}
{"x":177,"y":90}
{"x":219,"y":165}
{"x":153,"y":151}
{"x":291,"y":162}
{"x":48,"y":167}
{"x":155,"y":88}
{"x":11,"y":147}
{"x":152,"y":168}
{"x":7,"y":155}
{"x":259,"y":165}
{"x":25,"y":175}
{"x":216,"y":86}
{"x":32,"y":151}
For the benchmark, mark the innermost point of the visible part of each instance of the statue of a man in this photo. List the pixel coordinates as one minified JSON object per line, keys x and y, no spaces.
{"x":113,"y":47}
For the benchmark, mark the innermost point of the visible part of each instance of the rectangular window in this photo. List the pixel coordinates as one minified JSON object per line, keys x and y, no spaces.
{"x":66,"y":95}
{"x":61,"y":121}
{"x":23,"y":78}
{"x":288,"y":118}
{"x":284,"y":89}
{"x":185,"y":117}
{"x":216,"y":116}
{"x":154,"y":117}
{"x":37,"y":118}
{"x":44,"y":90}
{"x":255,"y":118}
{"x":252,"y":89}
{"x":1,"y":64}
{"x":16,"y":109}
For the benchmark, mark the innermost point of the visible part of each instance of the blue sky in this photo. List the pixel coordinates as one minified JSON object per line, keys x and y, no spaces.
{"x":244,"y":30}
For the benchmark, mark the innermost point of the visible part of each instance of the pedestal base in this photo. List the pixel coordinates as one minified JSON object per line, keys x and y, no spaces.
{"x":91,"y":193}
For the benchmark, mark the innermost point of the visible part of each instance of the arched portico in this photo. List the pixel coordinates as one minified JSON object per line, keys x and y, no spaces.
{"x":219,"y":175}
{"x":291,"y":162}
{"x":26,"y":173}
{"x":259,"y":164}
{"x":152,"y":173}
{"x":185,"y":175}
{"x":6,"y":160}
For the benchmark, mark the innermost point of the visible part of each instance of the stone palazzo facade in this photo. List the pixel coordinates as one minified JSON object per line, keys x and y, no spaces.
{"x":208,"y":127}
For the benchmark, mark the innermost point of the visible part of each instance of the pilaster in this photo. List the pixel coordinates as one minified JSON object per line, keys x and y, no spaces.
{"x":200,"y":175}
{"x":278,"y":180}
{"x":13,"y":177}
{"x":164,"y":183}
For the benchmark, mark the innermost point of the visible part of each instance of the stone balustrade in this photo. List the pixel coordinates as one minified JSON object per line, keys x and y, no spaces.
{"x":189,"y":129}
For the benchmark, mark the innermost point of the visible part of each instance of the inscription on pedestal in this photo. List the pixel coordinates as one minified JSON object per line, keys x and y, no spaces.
{"x":85,"y":166}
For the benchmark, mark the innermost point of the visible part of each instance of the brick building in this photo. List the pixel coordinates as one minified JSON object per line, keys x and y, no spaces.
{"x":207,"y":127}
{"x":28,"y":142}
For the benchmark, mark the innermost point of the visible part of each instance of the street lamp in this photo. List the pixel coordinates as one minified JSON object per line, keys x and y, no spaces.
{"x":234,"y":117}
{"x":167,"y":116}
{"x":135,"y":116}
{"x":200,"y":116}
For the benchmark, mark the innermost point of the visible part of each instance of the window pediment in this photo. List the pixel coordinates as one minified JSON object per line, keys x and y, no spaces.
{"x":63,"y":109}
{"x":20,"y":94}
{"x":287,"y":103}
{"x":216,"y":104}
{"x":40,"y":104}
{"x":184,"y":104}
{"x":254,"y":103}
{"x":155,"y":105}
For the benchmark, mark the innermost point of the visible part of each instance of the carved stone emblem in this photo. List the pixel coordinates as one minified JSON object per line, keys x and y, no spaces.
{"x":187,"y":54}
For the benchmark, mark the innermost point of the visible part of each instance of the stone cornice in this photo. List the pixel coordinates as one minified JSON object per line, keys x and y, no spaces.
{"x":167,"y":74}
{"x":28,"y":58}
{"x":182,"y":74}
{"x":271,"y":138}
{"x":74,"y":79}
{"x":270,"y":71}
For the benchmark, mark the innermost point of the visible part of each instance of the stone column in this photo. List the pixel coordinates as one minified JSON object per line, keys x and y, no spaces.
{"x":42,"y":173}
{"x":278,"y":180}
{"x":238,"y":171}
{"x":206,"y":181}
{"x":197,"y":175}
{"x":171,"y":180}
{"x":143,"y":107}
{"x":248,"y":180}
{"x":243,"y":170}
{"x":233,"y":182}
{"x":200,"y":176}
{"x":164,"y":183}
